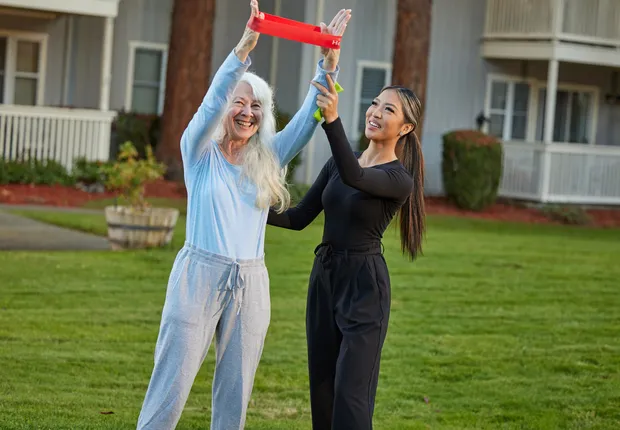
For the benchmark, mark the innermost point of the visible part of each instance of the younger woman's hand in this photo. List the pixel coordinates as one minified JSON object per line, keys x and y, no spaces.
{"x":327,"y":100}
{"x":250,"y":37}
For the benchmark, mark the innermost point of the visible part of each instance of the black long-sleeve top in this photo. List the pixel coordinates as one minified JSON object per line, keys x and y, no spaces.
{"x":359,"y":202}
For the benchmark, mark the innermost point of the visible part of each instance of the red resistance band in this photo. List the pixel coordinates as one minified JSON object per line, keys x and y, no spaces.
{"x":294,"y":30}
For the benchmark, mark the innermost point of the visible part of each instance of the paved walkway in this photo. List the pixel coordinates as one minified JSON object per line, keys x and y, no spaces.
{"x":19,"y":233}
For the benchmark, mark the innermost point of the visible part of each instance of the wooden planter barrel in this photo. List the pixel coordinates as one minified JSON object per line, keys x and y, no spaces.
{"x":131,"y":229}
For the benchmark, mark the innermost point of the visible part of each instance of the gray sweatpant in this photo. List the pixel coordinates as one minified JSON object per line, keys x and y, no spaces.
{"x":208,"y":294}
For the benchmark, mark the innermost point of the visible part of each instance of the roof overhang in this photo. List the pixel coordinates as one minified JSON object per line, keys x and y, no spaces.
{"x":107,"y":8}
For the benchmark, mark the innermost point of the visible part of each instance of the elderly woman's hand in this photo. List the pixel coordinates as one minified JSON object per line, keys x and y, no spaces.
{"x":250,"y":37}
{"x":337,"y":28}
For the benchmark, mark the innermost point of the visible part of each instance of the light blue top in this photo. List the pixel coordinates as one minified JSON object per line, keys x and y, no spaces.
{"x":222,"y":217}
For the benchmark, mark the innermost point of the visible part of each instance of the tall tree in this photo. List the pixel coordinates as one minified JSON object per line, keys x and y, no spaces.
{"x":411,"y":47}
{"x":187,"y":76}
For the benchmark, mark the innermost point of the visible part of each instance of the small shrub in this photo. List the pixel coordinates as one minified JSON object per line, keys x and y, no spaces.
{"x":17,"y":172}
{"x":363,"y":142}
{"x":572,"y":215}
{"x":282,"y":119}
{"x":472,"y":168}
{"x":51,"y":172}
{"x":297,"y":191}
{"x":129,"y":174}
{"x":89,"y":172}
{"x":48,"y":172}
{"x":140,"y":129}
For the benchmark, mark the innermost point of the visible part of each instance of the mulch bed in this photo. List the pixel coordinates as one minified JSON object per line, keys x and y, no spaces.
{"x":57,"y":195}
{"x":73,"y":197}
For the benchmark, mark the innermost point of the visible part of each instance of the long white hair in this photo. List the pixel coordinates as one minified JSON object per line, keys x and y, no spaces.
{"x":259,"y":162}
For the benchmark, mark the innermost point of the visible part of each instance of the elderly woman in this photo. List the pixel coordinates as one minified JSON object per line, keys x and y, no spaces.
{"x":234,"y":166}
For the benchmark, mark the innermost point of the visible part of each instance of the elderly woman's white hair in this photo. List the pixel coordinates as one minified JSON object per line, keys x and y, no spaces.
{"x":259,"y":162}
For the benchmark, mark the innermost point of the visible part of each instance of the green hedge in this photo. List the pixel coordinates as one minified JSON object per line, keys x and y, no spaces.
{"x":50,"y":172}
{"x":36,"y":172}
{"x":282,"y":118}
{"x":472,"y":168}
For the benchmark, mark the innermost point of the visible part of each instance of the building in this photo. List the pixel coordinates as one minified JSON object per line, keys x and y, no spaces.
{"x":68,"y":66}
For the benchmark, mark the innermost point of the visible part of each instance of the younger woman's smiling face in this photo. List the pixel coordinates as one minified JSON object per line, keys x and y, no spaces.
{"x":385,"y":117}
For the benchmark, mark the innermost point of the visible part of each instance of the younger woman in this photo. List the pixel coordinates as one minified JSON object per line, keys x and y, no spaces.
{"x":349,"y":293}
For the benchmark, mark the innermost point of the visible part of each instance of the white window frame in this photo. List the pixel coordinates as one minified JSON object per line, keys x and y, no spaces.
{"x":361,"y":65}
{"x":133,"y":46}
{"x":10,"y":66}
{"x":508,"y":112}
{"x":570,"y":87}
{"x":532,"y":117}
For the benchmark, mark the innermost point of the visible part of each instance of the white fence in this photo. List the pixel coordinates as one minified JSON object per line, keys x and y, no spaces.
{"x":59,"y":134}
{"x":575,"y":173}
{"x":586,"y":21}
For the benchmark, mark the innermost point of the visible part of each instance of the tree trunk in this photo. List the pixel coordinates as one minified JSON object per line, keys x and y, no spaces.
{"x":411,"y":48}
{"x":187,"y":76}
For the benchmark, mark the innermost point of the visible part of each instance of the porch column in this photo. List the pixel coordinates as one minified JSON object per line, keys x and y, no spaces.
{"x":106,"y":64}
{"x":552,"y":89}
{"x":275,"y":49}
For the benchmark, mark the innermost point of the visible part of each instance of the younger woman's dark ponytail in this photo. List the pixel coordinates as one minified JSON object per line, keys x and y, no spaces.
{"x":412,"y":213}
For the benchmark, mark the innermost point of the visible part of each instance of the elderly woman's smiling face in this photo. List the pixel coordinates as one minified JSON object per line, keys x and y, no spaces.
{"x":244,"y":114}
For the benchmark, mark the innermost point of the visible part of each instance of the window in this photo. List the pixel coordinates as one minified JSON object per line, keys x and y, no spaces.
{"x":573,"y":112}
{"x":516,"y":110}
{"x":371,"y":78}
{"x":147,"y":78}
{"x":21,"y":69}
{"x":509,"y":109}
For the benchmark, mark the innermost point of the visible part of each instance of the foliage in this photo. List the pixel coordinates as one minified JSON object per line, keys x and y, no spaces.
{"x":129,"y":174}
{"x":572,"y":215}
{"x":282,"y":119}
{"x":89,"y":172}
{"x":472,"y":168}
{"x":140,"y":129}
{"x":297,"y":191}
{"x":37,"y":172}
{"x":363,"y":142}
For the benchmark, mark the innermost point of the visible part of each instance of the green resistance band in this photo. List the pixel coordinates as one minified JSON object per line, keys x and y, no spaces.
{"x":318,"y":115}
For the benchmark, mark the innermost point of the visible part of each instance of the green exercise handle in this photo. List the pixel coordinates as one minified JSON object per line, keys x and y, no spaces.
{"x":318,"y":115}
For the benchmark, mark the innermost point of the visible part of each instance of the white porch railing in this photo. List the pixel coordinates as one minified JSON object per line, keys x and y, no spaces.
{"x":59,"y":134}
{"x":585,"y":21}
{"x":577,"y":173}
{"x":519,"y":18}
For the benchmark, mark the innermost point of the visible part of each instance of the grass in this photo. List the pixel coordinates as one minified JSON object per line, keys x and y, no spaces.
{"x":498,"y":326}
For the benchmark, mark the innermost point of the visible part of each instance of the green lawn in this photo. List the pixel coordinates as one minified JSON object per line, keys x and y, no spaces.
{"x":498,"y":326}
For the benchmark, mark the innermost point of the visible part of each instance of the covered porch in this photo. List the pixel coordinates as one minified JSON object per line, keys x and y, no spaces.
{"x":553,"y":98}
{"x":38,"y":117}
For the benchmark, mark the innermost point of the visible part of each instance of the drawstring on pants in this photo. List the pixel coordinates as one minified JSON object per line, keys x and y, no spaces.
{"x":235,"y":280}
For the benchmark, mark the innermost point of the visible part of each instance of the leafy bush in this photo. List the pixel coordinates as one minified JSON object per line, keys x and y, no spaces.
{"x":297,"y":192}
{"x":573,"y":215}
{"x":472,"y":168}
{"x":129,"y":174}
{"x":363,"y":142}
{"x":282,"y":119}
{"x":48,"y":172}
{"x":140,"y":129}
{"x":89,"y":172}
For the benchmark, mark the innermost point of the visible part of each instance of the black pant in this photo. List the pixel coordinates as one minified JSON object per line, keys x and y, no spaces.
{"x":346,"y":323}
